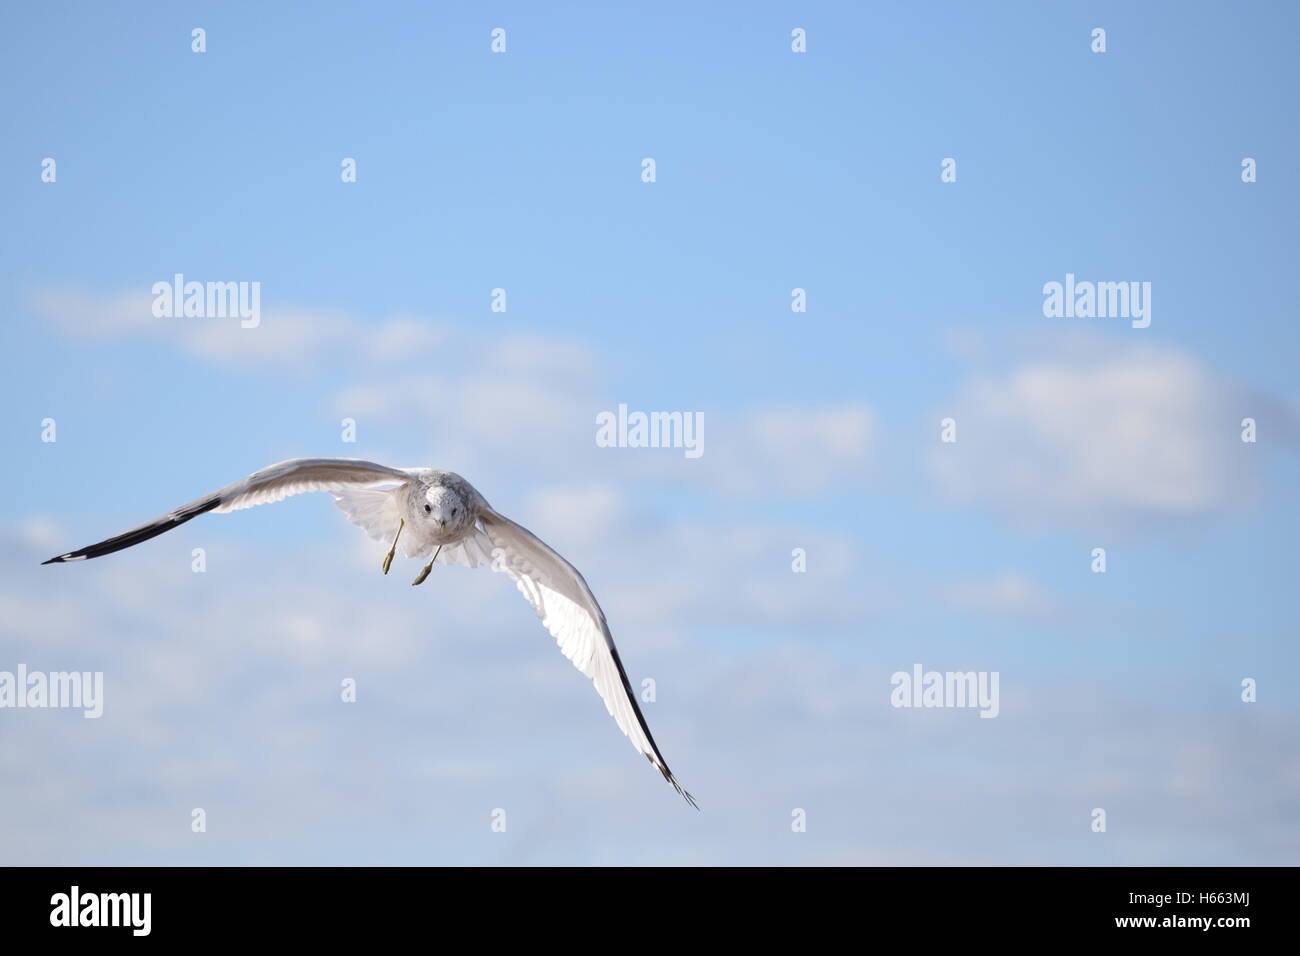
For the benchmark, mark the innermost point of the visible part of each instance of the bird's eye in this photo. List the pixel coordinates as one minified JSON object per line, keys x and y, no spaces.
{"x":427,"y":509}
{"x":455,"y":511}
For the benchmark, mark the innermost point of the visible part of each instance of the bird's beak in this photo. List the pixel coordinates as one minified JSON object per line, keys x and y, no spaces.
{"x":442,"y":526}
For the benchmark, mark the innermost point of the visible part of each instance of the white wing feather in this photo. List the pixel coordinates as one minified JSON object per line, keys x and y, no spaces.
{"x":568,"y":609}
{"x":299,"y":475}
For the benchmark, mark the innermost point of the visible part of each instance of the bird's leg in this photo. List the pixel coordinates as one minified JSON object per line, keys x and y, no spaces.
{"x":427,"y":568}
{"x":388,"y":558}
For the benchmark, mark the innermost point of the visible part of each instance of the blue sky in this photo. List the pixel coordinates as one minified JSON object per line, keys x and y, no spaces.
{"x":775,"y":170}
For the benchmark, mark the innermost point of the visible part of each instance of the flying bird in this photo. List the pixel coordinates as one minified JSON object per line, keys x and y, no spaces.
{"x":439,"y":513}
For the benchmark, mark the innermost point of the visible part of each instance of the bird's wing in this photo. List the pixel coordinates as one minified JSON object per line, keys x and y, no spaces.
{"x":274,"y":483}
{"x":564,"y":602}
{"x":378,"y":512}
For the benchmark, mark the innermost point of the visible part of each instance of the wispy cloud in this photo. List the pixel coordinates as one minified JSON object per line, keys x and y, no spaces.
{"x":1092,"y":432}
{"x":1006,"y":595}
{"x":465,"y":705}
{"x":286,"y":337}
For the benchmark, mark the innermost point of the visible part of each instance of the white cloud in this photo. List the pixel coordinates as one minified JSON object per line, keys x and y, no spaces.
{"x":515,"y":398}
{"x":1104,"y":435}
{"x":1006,"y":595}
{"x":403,"y":338}
{"x":286,"y":337}
{"x":487,"y":400}
{"x":86,"y":317}
{"x":41,"y":533}
{"x":222,"y":692}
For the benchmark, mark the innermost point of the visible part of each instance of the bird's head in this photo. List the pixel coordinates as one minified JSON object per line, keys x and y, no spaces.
{"x":446,"y":509}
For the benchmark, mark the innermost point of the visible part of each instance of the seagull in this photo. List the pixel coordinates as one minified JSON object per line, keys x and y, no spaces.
{"x":439,"y":513}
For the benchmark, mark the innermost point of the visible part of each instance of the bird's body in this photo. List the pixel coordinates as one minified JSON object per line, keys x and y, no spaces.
{"x":439,"y":515}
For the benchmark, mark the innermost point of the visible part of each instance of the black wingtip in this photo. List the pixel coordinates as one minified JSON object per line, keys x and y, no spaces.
{"x":683,"y":791}
{"x":668,"y":775}
{"x":58,"y":560}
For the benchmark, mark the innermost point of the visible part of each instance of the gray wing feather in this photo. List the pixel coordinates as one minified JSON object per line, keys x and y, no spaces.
{"x":274,"y":483}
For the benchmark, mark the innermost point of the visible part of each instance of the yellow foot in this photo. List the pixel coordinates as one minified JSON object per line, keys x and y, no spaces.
{"x":424,"y":573}
{"x":388,"y":558}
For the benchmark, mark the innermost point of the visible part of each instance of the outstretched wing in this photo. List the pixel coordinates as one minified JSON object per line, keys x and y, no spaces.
{"x":275,"y":483}
{"x":564,"y":602}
